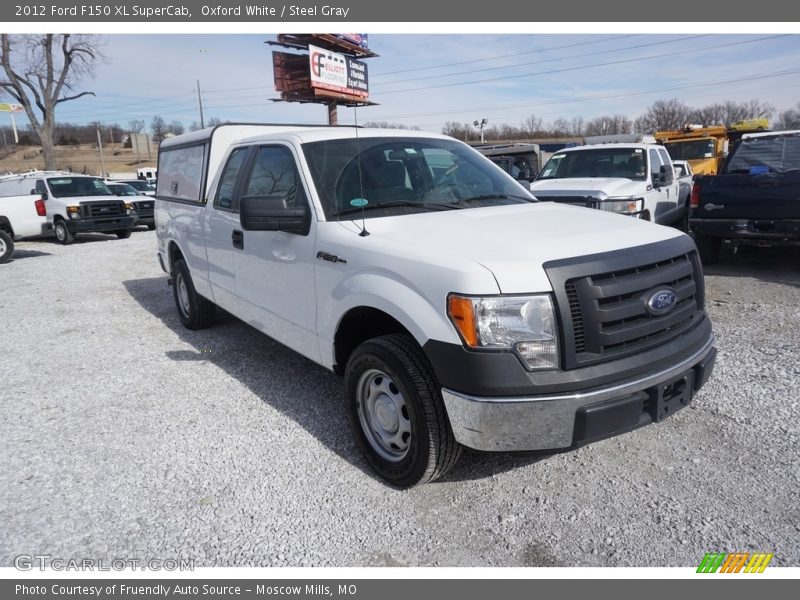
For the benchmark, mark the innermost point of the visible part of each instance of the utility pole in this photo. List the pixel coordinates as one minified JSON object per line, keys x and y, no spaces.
{"x":200,"y":102}
{"x":100,"y":146}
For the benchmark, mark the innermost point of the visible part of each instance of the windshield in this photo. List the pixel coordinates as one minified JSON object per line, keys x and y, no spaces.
{"x":391,"y":176}
{"x":122,"y":189}
{"x":690,"y":150}
{"x":760,"y":155}
{"x":71,"y":187}
{"x":142,"y":186}
{"x":629,"y":163}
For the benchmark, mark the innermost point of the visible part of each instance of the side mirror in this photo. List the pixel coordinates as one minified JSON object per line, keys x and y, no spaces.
{"x":270,"y":213}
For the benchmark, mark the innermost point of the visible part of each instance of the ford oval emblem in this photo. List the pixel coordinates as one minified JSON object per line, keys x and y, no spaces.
{"x":661,"y":301}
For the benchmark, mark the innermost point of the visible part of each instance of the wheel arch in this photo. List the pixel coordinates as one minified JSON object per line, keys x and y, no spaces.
{"x":5,"y":225}
{"x":358,"y":325}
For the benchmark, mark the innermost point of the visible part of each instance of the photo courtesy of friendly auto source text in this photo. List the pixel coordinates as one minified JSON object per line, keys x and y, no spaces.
{"x":479,"y":298}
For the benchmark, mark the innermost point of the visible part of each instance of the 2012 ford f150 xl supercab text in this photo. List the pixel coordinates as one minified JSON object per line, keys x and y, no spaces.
{"x":460,"y":311}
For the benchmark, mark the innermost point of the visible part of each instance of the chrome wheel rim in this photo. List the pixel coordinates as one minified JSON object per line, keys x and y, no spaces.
{"x":183,"y":296}
{"x":383,"y":415}
{"x":2,"y":246}
{"x":60,"y":232}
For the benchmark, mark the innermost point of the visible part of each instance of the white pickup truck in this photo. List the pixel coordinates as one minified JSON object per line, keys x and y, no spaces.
{"x":635,"y":179}
{"x":460,"y":311}
{"x":21,"y":216}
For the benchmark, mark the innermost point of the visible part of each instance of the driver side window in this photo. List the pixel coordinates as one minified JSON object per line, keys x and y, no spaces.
{"x":227,"y":184}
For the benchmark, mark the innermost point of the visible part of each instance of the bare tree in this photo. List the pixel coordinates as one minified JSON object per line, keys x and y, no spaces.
{"x":788,"y":119}
{"x":136,"y":125}
{"x":159,"y":128}
{"x":663,"y":115}
{"x":41,"y":72}
{"x":532,"y":126}
{"x":608,"y":125}
{"x":176,"y":128}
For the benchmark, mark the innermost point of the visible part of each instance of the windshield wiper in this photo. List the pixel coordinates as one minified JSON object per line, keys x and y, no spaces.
{"x":396,"y":203}
{"x":497,"y":196}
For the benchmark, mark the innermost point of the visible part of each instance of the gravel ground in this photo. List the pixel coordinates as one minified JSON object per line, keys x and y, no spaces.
{"x":125,"y":435}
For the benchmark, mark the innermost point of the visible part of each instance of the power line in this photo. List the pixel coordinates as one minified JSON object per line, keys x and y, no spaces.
{"x":565,"y":69}
{"x":573,"y":99}
{"x":549,"y":60}
{"x":477,"y":60}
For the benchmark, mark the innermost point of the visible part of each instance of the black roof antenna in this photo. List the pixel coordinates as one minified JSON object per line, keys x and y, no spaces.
{"x":363,"y":202}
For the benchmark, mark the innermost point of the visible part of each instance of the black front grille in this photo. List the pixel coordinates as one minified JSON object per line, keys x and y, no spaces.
{"x":574,"y":200}
{"x":145,"y":208}
{"x":96,"y":210}
{"x":603,"y":305}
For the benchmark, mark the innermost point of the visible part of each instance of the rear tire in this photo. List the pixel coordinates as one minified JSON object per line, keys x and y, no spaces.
{"x":123,"y":234}
{"x":709,"y":248}
{"x":194,"y":311}
{"x":6,"y":247}
{"x":396,"y":411}
{"x":151,"y":227}
{"x":63,"y":235}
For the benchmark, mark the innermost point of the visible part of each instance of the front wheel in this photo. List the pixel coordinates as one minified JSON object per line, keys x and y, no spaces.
{"x":62,"y":232}
{"x":195,"y":311}
{"x":6,"y":247}
{"x":396,"y":412}
{"x":123,"y":234}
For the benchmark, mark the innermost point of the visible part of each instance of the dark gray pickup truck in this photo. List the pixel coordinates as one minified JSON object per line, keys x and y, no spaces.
{"x":755,"y":200}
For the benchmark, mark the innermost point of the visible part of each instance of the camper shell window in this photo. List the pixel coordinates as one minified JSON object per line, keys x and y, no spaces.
{"x":181,"y":173}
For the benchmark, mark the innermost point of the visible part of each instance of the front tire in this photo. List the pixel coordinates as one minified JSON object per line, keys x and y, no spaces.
{"x":123,"y":234}
{"x":63,"y":235}
{"x":194,"y":311}
{"x":6,"y":247}
{"x":396,"y":412}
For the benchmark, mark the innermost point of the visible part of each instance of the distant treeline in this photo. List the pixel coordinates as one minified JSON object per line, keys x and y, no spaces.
{"x":661,"y":115}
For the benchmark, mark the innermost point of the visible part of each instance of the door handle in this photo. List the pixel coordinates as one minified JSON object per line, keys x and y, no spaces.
{"x":237,"y":238}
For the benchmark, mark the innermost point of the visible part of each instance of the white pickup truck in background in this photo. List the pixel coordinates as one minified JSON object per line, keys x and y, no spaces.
{"x":460,"y":310}
{"x":21,"y":216}
{"x":635,"y":179}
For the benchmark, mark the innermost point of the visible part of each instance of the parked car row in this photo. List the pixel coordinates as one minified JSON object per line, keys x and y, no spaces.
{"x":67,"y":204}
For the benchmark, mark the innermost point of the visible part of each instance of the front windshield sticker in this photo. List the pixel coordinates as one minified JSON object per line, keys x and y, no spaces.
{"x":359,"y":202}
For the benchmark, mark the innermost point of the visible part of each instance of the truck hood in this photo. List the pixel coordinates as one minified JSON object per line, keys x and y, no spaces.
{"x":512,"y":242}
{"x":597,"y":187}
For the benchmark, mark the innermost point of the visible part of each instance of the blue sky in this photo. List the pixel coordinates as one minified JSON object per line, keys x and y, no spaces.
{"x":426,"y":80}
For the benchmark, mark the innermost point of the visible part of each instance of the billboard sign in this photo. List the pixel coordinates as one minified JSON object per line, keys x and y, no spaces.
{"x":12,"y":108}
{"x":357,"y":39}
{"x":337,"y":73}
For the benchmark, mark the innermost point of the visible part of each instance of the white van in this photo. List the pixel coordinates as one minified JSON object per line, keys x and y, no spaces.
{"x":75,"y":203}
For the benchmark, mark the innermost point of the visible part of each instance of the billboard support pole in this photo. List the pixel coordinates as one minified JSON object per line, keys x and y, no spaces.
{"x":14,"y":127}
{"x":333,"y":115}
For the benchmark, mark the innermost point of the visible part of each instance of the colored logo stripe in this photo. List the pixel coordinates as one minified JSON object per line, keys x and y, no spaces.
{"x":734,"y":562}
{"x":758,"y":563}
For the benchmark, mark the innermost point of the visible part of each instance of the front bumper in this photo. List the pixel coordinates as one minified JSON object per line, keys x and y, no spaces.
{"x":559,"y":421}
{"x":750,"y":231}
{"x":88,"y":225}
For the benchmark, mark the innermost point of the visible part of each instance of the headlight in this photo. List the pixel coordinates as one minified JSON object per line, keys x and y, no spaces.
{"x":129,"y":208}
{"x":74,"y":212}
{"x":625,"y":206}
{"x":524,"y":324}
